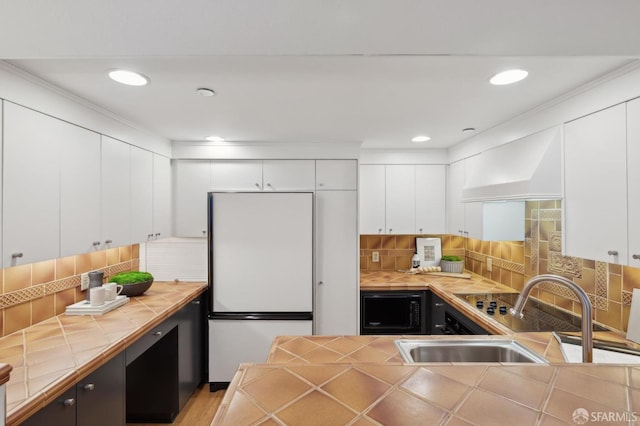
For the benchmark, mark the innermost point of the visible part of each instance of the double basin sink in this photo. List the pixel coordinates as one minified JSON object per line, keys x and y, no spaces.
{"x":466,"y":350}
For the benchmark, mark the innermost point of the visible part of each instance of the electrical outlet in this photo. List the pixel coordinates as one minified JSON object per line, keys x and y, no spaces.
{"x":375,"y":256}
{"x":84,"y":281}
{"x":489,"y":264}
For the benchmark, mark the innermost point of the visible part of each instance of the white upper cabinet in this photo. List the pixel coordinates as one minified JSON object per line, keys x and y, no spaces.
{"x":595,"y":186}
{"x":161,"y":197}
{"x":141,"y":195}
{"x":430,"y":197}
{"x":79,"y":191}
{"x":400,"y":199}
{"x":633,"y":178}
{"x":336,"y":175}
{"x":455,"y":207}
{"x":288,"y":175}
{"x":31,"y":198}
{"x":193,"y":182}
{"x":372,"y":199}
{"x":116,"y":196}
{"x":236,"y":175}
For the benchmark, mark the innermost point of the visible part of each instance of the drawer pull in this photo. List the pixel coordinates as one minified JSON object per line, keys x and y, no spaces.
{"x":157,"y":333}
{"x":108,"y":241}
{"x":612,"y":252}
{"x":439,"y":305}
{"x":96,"y":243}
{"x":69,"y":402}
{"x":196,"y":302}
{"x":16,"y":255}
{"x":439,"y":326}
{"x":636,"y":256}
{"x":89,"y":387}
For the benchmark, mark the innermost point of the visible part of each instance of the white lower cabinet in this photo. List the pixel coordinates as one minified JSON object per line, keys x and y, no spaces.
{"x":336,"y":290}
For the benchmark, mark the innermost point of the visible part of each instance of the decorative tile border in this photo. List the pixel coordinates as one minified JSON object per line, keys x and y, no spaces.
{"x":565,"y":265}
{"x":555,"y":241}
{"x":626,"y":297}
{"x":602,"y":279}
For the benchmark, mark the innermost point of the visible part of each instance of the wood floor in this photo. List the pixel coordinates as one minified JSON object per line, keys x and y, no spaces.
{"x":199,"y":411}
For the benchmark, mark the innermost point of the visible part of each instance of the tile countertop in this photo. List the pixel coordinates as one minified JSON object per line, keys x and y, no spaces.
{"x":50,"y":356}
{"x":361,"y":380}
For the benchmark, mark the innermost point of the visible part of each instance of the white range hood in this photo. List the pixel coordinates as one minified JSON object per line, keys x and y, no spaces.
{"x":527,"y":168}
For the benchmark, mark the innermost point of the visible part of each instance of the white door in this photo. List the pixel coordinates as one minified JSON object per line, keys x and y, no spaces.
{"x":80,"y":208}
{"x":633,"y":179}
{"x":236,"y":175}
{"x":262,"y":252}
{"x":595,"y":186}
{"x":336,"y":175}
{"x":400,"y":199}
{"x":116,"y":197}
{"x":372,"y":195}
{"x":141,"y":195}
{"x":161,"y":197}
{"x":431,"y":198}
{"x":337,"y":287}
{"x":31,"y":198}
{"x":288,"y":175}
{"x":234,"y":342}
{"x":193,"y":182}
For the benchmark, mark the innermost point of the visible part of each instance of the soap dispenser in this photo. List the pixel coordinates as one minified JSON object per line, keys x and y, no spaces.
{"x":415,"y":260}
{"x":95,"y":280}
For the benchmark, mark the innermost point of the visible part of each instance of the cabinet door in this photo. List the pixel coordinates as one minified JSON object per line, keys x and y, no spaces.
{"x":31,"y":198}
{"x":595,"y":186}
{"x":161,"y":197}
{"x":79,"y":194}
{"x":455,"y":208}
{"x":288,"y":175}
{"x":473,"y":220}
{"x":336,"y":296}
{"x":633,"y":179}
{"x":400,"y":199}
{"x":336,"y":174}
{"x":372,"y":194}
{"x":430,"y":199}
{"x":116,"y":196}
{"x":141,"y":195}
{"x":61,"y":412}
{"x":193,"y":182}
{"x":238,"y":175}
{"x":190,"y":348}
{"x":101,"y":395}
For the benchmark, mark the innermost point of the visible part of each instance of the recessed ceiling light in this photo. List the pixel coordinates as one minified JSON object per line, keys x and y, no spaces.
{"x":214,"y":139}
{"x":508,"y":77}
{"x":421,"y":139}
{"x":203,"y":91}
{"x":469,"y":129}
{"x":129,"y":78}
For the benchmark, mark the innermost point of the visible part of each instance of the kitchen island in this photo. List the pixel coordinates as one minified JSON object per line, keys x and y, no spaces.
{"x":53,"y":355}
{"x":361,"y":380}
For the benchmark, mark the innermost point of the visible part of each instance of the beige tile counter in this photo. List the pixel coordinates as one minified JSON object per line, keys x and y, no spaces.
{"x":52,"y":355}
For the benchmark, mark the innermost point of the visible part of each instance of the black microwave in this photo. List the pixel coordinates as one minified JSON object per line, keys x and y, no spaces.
{"x":389,"y":312}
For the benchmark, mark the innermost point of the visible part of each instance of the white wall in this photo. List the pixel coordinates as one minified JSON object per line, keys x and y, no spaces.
{"x":612,"y":89}
{"x":26,"y":90}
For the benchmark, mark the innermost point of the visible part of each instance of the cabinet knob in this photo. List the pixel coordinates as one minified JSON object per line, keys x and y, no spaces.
{"x":390,"y":229}
{"x":157,"y":234}
{"x":466,"y":232}
{"x":257,"y":185}
{"x":96,"y":243}
{"x":149,"y":235}
{"x":379,"y":229}
{"x":157,"y":333}
{"x":439,"y":326}
{"x":108,"y":241}
{"x":269,"y":185}
{"x":420,"y":230}
{"x":69,"y":402}
{"x":321,"y":184}
{"x":612,"y":252}
{"x":320,"y":282}
{"x":636,"y":256}
{"x":16,"y":255}
{"x":195,"y":302}
{"x":204,"y":232}
{"x":438,"y":305}
{"x":89,"y":387}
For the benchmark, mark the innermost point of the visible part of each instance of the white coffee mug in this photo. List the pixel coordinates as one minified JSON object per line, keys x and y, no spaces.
{"x":98,"y":295}
{"x":112,"y":290}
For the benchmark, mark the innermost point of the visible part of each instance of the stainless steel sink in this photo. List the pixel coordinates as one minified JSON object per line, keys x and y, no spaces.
{"x":466,"y":350}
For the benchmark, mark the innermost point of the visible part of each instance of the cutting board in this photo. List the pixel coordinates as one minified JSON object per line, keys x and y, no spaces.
{"x":633,"y":328}
{"x":449,"y":274}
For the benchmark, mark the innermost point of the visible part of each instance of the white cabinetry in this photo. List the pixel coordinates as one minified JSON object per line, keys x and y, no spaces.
{"x":79,"y":191}
{"x":633,"y":179}
{"x":116,"y":196}
{"x":336,"y":175}
{"x":193,"y":182}
{"x":336,"y":293}
{"x":455,"y":208}
{"x":430,"y":198}
{"x":595,"y":186}
{"x":141,"y":195}
{"x":288,"y":175}
{"x":400,"y":201}
{"x":372,"y":199}
{"x":161,"y":197}
{"x":31,"y":198}
{"x":236,"y":175}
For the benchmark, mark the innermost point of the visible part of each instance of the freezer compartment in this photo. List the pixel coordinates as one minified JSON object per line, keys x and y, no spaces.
{"x":232,"y":342}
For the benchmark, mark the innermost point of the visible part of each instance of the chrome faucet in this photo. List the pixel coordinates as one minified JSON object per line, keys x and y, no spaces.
{"x":587,"y":323}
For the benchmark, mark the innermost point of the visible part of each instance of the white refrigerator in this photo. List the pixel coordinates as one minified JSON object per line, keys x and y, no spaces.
{"x":260,"y":275}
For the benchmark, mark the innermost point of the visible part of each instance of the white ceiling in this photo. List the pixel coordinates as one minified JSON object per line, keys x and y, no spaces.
{"x":375,"y":71}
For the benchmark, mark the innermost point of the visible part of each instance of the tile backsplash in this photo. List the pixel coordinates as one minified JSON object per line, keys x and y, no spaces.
{"x":609,"y":286}
{"x":35,"y":292}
